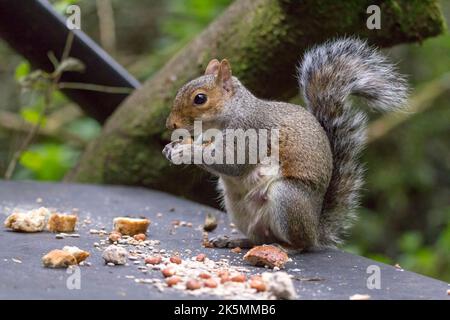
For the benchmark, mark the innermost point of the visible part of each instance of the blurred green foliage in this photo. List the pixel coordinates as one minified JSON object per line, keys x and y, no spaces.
{"x":405,"y":212}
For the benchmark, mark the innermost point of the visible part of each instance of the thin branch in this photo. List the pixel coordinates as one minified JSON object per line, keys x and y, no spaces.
{"x":93,"y":87}
{"x":106,"y":25}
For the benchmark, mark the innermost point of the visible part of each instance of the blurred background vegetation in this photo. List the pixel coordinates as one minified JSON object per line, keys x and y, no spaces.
{"x":405,"y":212}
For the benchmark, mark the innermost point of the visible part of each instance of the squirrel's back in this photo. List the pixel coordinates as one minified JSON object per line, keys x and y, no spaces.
{"x":328,"y":75}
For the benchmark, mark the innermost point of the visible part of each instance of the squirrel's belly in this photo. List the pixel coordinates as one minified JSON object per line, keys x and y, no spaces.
{"x":250,"y":207}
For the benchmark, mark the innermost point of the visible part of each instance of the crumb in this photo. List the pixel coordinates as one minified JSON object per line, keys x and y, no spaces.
{"x":200,"y":257}
{"x":140,"y":237}
{"x":360,"y":297}
{"x":58,"y":259}
{"x":175,"y":259}
{"x":30,"y":221}
{"x":153,"y":260}
{"x":16,"y":260}
{"x":171,"y":281}
{"x":80,"y":255}
{"x":61,"y":222}
{"x":236,"y":250}
{"x":280,"y":285}
{"x":266,"y":255}
{"x":114,"y":236}
{"x":210,"y":222}
{"x":130,"y":226}
{"x":115,"y":254}
{"x":193,"y":284}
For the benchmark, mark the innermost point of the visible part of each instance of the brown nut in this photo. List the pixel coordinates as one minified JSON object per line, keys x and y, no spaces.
{"x":204,"y":275}
{"x":239,"y":278}
{"x":171,"y":281}
{"x":153,"y":260}
{"x":168,"y":272}
{"x":258,"y":284}
{"x":140,"y":237}
{"x":210,"y":283}
{"x":175,"y":259}
{"x":193,"y":284}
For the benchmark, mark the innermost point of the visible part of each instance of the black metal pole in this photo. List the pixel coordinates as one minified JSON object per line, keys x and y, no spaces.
{"x":33,"y":28}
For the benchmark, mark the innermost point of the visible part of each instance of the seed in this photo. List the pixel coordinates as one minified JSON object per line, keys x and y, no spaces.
{"x":204,"y":275}
{"x":236,"y":250}
{"x":201,"y":257}
{"x":239,"y":278}
{"x":193,"y":284}
{"x":171,"y":281}
{"x":140,"y":237}
{"x":210,"y":222}
{"x":168,"y":272}
{"x":175,"y":259}
{"x":257,"y":284}
{"x":210,"y":283}
{"x":153,"y":260}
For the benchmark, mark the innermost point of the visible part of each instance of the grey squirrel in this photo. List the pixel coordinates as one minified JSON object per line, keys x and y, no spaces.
{"x":310,"y":203}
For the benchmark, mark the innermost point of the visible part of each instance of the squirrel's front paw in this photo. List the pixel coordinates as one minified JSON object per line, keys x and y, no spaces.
{"x":168,"y":149}
{"x":179,"y":153}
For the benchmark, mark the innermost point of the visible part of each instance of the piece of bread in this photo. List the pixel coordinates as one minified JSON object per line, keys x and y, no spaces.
{"x":80,"y":255}
{"x":58,"y":259}
{"x":31,"y":221}
{"x":62,"y":222}
{"x":266,"y":255}
{"x":130,"y":226}
{"x":115,"y":254}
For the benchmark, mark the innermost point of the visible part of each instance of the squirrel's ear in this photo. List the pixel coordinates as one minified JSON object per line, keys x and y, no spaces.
{"x":224,"y":77}
{"x":213,"y":67}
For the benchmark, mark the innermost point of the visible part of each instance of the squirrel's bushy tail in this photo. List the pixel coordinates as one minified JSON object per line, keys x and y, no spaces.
{"x":328,"y":75}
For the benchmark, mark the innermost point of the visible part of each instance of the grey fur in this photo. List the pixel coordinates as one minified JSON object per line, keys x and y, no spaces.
{"x":328,"y":75}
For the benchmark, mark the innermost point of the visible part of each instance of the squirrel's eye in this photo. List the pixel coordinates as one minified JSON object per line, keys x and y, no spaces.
{"x":200,"y":99}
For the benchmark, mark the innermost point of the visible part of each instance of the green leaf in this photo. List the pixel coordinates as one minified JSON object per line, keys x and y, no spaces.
{"x":22,"y":70}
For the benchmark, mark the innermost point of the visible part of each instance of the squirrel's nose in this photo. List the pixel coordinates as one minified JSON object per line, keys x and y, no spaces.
{"x":171,"y":125}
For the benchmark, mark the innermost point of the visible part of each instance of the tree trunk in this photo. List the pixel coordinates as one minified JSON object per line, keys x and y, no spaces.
{"x":263,"y":39}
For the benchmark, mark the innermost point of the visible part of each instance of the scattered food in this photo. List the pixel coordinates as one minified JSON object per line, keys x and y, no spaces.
{"x":239,"y":278}
{"x":258,"y":284}
{"x":30,"y":221}
{"x":173,"y":280}
{"x":80,"y":255}
{"x":58,"y":259}
{"x":115,"y":254}
{"x":201,"y":257}
{"x":210,"y":283}
{"x":267,"y":255}
{"x":130,"y":226}
{"x":193,"y":284}
{"x":114,"y":236}
{"x":236,"y":250}
{"x":210,"y":222}
{"x":360,"y":297}
{"x":16,"y":260}
{"x":62,"y":222}
{"x":279,"y":285}
{"x":168,"y":272}
{"x":140,"y":237}
{"x":153,"y":260}
{"x":448,"y":292}
{"x":175,"y":259}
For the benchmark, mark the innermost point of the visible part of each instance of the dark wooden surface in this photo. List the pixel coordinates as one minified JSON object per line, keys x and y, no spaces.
{"x":341,"y":274}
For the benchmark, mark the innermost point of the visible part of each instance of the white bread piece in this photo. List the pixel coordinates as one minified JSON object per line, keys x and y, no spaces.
{"x":31,"y":221}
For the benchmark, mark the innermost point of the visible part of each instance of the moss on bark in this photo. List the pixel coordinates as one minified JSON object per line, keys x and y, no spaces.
{"x":263,"y":39}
